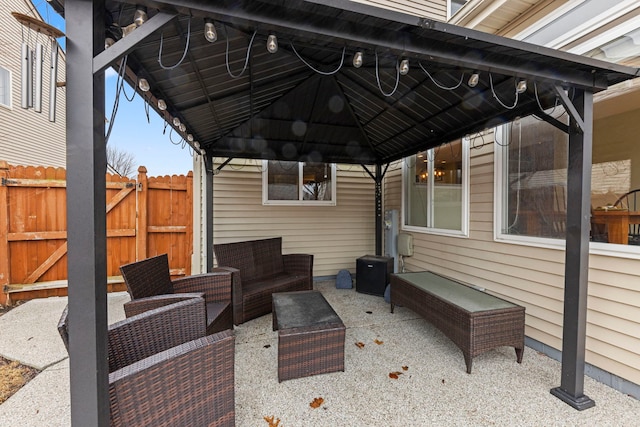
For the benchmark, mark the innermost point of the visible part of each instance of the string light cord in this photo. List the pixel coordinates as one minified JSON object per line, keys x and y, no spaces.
{"x":378,"y":78}
{"x":184,"y":54}
{"x":441,"y":86}
{"x":116,"y":102}
{"x":324,"y":73}
{"x":515,"y":102}
{"x":246,"y":59}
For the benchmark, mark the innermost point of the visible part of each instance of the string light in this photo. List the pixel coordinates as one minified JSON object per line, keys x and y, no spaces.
{"x":521,"y":87}
{"x":474,"y":79}
{"x":210,"y":31}
{"x":143,"y":84}
{"x":404,"y":67}
{"x":272,"y":43}
{"x":357,"y":59}
{"x":162,"y":106}
{"x":140,"y":17}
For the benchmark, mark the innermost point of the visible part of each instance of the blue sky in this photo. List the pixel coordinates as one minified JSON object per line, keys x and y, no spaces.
{"x":131,"y":131}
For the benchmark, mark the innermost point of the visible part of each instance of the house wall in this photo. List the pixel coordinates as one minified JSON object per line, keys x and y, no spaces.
{"x":27,"y":137}
{"x":335,"y":235}
{"x":432,"y":9}
{"x":534,"y":277}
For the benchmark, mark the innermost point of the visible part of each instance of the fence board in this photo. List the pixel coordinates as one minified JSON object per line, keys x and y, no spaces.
{"x":145,"y":217}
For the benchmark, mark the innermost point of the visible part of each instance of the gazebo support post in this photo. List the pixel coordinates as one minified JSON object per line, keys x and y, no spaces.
{"x":577,"y":250}
{"x":86,"y":210}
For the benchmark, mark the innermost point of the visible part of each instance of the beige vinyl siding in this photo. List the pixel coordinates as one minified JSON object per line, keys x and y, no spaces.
{"x":534,"y":278}
{"x":27,"y":137}
{"x":432,"y":9}
{"x":335,"y":235}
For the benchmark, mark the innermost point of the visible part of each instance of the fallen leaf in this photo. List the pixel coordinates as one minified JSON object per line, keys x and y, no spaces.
{"x":360,"y":344}
{"x":267,"y":346}
{"x":317,"y":402}
{"x":377,"y":341}
{"x":394,"y":375}
{"x":271,"y":421}
{"x":405,"y":368}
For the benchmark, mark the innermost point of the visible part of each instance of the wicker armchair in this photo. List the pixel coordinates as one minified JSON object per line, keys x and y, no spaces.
{"x":150,"y":286}
{"x":165,"y":371}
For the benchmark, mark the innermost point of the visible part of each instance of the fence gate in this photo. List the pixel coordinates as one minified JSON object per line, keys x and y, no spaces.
{"x":145,"y":217}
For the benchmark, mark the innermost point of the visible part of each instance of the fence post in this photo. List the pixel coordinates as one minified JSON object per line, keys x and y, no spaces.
{"x":142,"y":213}
{"x":4,"y":230}
{"x":189,"y":224}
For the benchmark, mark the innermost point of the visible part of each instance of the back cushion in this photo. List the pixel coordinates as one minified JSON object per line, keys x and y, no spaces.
{"x":148,"y":277}
{"x":267,"y":254}
{"x":254,"y":259}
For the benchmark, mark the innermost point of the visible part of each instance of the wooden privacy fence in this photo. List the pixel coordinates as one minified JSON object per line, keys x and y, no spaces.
{"x":145,"y":217}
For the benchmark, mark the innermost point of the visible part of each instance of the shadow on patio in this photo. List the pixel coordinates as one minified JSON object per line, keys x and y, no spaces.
{"x":433,"y":390}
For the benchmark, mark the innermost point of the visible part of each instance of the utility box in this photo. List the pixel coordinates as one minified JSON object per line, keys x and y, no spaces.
{"x":373,"y":274}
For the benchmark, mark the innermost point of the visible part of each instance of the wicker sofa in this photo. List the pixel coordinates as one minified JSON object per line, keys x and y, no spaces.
{"x":165,"y":371}
{"x":259,"y":269}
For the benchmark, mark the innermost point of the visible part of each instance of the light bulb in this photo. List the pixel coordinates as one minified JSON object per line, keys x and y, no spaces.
{"x":357,"y":59}
{"x":196,"y":144}
{"x":108,"y":42}
{"x":176,"y":121}
{"x":189,"y":137}
{"x":162,"y":106}
{"x":521,"y":86}
{"x":143,"y":84}
{"x":474,"y":79}
{"x":210,"y":31}
{"x":182,"y":127}
{"x":404,"y":67}
{"x":140,"y":17}
{"x":272,"y":44}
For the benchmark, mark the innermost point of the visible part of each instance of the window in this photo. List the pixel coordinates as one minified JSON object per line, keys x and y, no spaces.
{"x":531,"y":179}
{"x":435,"y":190}
{"x":5,"y":87}
{"x":534,"y":178}
{"x":287,"y":183}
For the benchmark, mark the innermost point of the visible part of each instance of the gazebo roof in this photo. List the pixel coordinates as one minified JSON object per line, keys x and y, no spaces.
{"x":282,"y":108}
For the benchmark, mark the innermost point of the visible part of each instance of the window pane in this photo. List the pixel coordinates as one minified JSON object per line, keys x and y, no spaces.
{"x":316,"y":181}
{"x":535,"y":179}
{"x":416,"y":190}
{"x":5,"y":87}
{"x":447,"y":197}
{"x":283,"y":180}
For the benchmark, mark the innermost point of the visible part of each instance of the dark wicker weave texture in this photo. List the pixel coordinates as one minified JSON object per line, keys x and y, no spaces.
{"x":150,"y":286}
{"x":164,"y":371}
{"x":259,"y":269}
{"x":473,"y":333}
{"x":309,"y":350}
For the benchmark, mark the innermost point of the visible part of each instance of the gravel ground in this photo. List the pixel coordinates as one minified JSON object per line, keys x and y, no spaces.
{"x":434,"y":390}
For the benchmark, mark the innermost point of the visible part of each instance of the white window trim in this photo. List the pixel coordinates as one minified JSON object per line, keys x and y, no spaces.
{"x":464,"y":232}
{"x":265,"y":190}
{"x":10,"y":106}
{"x":595,"y":248}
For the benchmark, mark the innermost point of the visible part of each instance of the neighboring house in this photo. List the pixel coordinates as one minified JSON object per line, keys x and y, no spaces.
{"x":28,"y":137}
{"x":494,"y":214}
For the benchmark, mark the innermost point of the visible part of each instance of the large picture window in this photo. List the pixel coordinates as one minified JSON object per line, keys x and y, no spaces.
{"x":435,"y":189}
{"x":531,"y":167}
{"x":298,"y":183}
{"x":5,"y":87}
{"x":534,"y":178}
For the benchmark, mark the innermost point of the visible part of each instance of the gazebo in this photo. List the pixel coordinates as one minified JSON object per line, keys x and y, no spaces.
{"x":324,"y":81}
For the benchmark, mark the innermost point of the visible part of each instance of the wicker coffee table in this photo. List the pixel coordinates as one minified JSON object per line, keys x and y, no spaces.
{"x":310,"y":335}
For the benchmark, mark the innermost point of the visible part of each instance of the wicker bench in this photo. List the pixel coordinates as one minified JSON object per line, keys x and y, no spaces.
{"x":258,"y":270}
{"x":475,"y":321}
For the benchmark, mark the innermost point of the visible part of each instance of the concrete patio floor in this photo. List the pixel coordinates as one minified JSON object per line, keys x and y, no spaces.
{"x":434,"y":390}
